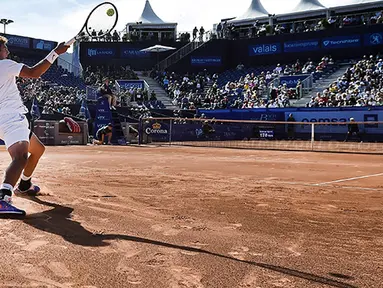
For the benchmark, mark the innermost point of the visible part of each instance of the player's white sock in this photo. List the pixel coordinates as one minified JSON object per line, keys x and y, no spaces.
{"x":6,"y":186}
{"x":7,"y":194}
{"x":25,"y":178}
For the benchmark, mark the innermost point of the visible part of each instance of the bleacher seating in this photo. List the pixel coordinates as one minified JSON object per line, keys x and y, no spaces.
{"x":58,"y":75}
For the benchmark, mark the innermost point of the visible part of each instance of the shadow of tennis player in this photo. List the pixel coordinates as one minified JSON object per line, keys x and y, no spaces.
{"x":58,"y":221}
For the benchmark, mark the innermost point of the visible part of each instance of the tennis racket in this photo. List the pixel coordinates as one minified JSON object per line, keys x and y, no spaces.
{"x":102,"y":19}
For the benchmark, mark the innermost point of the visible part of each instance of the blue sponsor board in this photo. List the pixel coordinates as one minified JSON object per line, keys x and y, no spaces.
{"x":101,"y":52}
{"x":300,"y":46}
{"x":43,"y":45}
{"x":206,"y":61}
{"x":373,"y":39}
{"x":331,"y":117}
{"x":133,"y":53}
{"x":18,"y":41}
{"x":265,"y":49}
{"x":291,"y":81}
{"x":158,"y":130}
{"x":103,"y":114}
{"x":341,"y":42}
{"x":127,"y":84}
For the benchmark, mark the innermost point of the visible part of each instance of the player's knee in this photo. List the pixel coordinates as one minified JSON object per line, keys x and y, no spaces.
{"x":20,"y":158}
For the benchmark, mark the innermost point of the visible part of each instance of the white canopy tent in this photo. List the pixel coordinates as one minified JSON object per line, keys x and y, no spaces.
{"x":304,"y":9}
{"x":357,"y":5}
{"x":255,"y":11}
{"x":150,"y":21}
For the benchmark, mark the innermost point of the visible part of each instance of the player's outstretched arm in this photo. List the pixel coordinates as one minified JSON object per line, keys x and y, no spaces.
{"x":42,"y":67}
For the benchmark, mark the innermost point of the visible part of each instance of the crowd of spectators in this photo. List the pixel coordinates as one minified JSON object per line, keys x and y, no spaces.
{"x":227,"y":30}
{"x":191,"y":91}
{"x":94,"y":75}
{"x":361,"y":85}
{"x":51,"y":97}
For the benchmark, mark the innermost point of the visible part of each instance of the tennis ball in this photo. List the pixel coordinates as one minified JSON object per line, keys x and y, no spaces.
{"x":110,"y":12}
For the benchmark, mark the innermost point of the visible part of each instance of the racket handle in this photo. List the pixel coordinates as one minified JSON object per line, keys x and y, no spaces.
{"x":70,"y":42}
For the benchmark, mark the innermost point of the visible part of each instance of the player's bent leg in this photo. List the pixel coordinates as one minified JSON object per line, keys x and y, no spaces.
{"x":19,"y":155}
{"x":36,"y":150}
{"x":109,"y":138}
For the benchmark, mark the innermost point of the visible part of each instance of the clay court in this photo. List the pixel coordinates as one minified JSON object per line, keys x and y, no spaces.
{"x":167,"y":217}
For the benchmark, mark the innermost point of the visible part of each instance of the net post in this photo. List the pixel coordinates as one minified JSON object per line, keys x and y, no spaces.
{"x":170,"y":131}
{"x":312,"y":136}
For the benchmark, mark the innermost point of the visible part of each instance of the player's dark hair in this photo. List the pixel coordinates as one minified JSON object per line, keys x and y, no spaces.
{"x":3,"y":40}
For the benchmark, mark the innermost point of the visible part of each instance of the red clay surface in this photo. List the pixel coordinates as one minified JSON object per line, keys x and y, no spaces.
{"x":197,"y":217}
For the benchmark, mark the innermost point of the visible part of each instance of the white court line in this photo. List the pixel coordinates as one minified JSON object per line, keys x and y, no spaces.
{"x":341,"y":187}
{"x":316,"y":185}
{"x":349,"y":179}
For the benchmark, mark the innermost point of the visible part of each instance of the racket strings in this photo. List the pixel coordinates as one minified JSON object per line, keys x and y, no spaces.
{"x":101,"y":23}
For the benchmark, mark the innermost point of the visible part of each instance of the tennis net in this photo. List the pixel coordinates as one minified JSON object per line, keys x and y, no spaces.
{"x":355,"y":137}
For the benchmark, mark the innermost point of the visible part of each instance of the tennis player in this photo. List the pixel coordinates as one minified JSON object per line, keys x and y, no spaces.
{"x":14,"y":127}
{"x":105,"y":131}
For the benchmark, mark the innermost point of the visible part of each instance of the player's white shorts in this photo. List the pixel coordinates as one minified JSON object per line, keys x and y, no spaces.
{"x":14,"y":128}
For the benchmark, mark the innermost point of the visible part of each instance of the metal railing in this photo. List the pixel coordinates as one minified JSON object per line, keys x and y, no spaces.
{"x":184,"y":51}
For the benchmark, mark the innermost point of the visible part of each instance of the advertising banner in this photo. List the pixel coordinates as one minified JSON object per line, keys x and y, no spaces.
{"x":43,"y":45}
{"x":265,"y":49}
{"x":206,"y":61}
{"x":337,"y":116}
{"x":101,"y":52}
{"x":341,"y":42}
{"x":103,"y":114}
{"x":373,"y":39}
{"x":301,"y":46}
{"x":133,"y":53}
{"x":18,"y":41}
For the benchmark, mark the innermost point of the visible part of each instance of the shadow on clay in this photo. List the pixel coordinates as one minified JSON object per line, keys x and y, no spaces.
{"x":58,"y":221}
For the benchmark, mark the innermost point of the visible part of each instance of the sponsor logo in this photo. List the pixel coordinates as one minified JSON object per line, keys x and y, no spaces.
{"x":100,"y":52}
{"x":43,"y":45}
{"x":133,"y":53}
{"x":298,"y":46}
{"x":342,"y":42}
{"x":156,"y":128}
{"x":373,"y":39}
{"x":267,"y":117}
{"x":209,"y":61}
{"x":324,"y":120}
{"x":265,"y":49}
{"x":376,"y":39}
{"x":18,"y":41}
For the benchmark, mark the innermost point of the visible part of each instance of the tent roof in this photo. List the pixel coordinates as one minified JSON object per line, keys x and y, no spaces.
{"x":308,"y":5}
{"x":357,"y":5}
{"x":305,"y":8}
{"x":255,"y":10}
{"x":148,"y":16}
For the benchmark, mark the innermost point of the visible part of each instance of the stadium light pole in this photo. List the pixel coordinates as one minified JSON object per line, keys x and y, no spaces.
{"x":6,"y":22}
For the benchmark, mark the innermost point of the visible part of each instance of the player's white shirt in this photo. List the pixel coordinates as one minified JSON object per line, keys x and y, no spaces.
{"x":10,"y":99}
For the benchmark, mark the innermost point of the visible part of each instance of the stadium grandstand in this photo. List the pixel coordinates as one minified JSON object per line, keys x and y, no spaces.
{"x":245,"y":154}
{"x":308,"y":58}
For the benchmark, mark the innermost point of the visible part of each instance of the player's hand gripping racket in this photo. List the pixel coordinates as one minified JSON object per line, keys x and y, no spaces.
{"x":102,"y":19}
